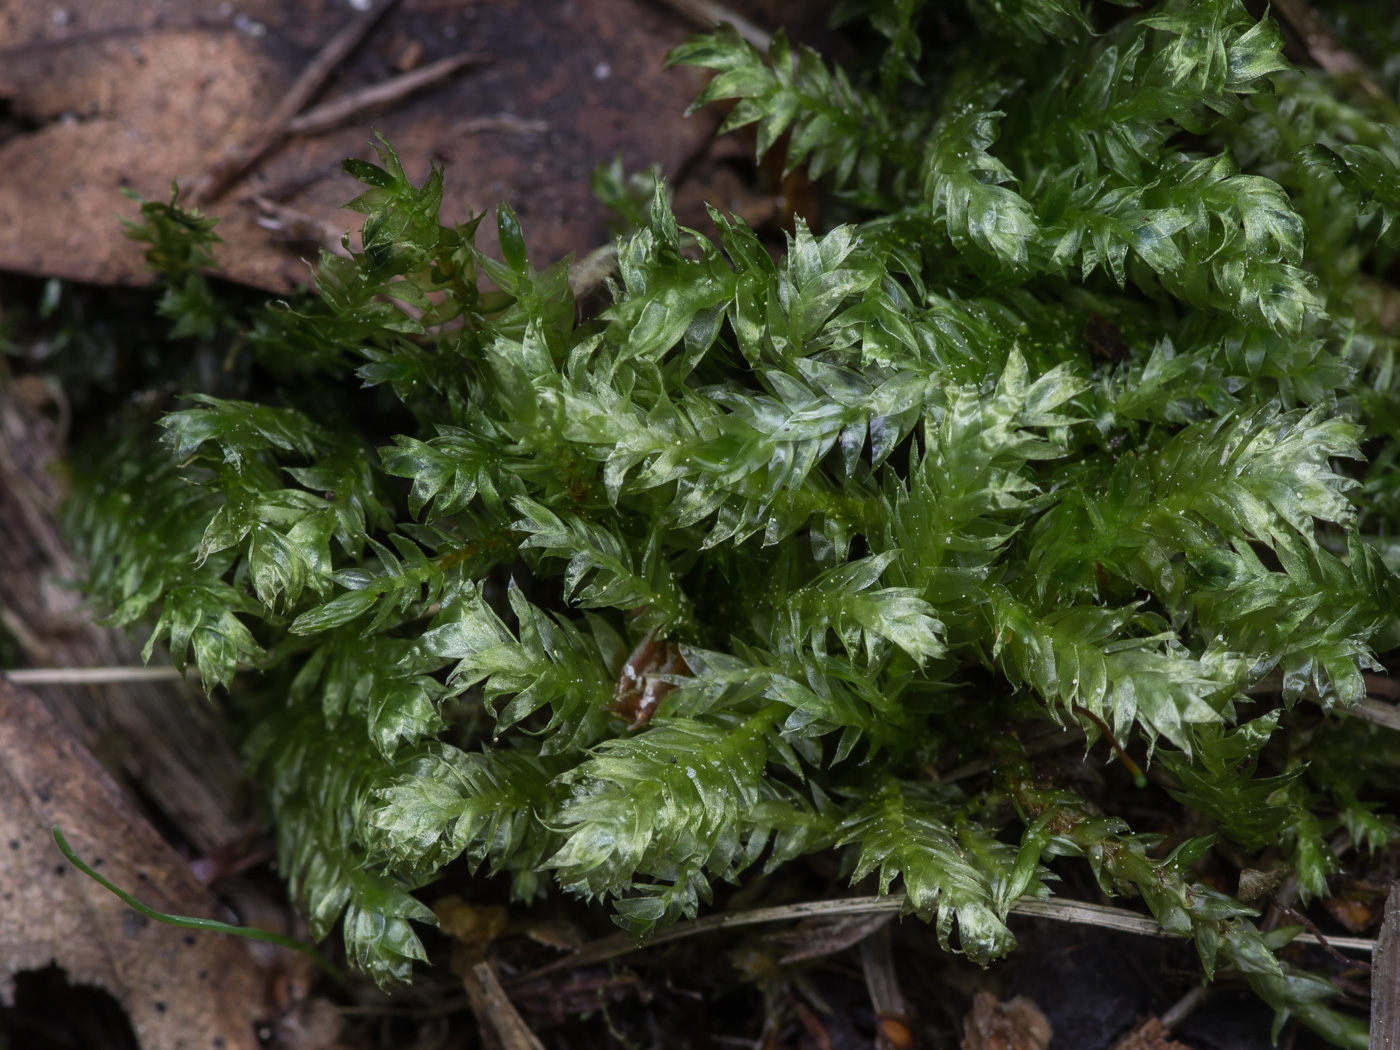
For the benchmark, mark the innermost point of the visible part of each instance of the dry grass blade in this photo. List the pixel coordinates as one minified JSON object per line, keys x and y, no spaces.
{"x":1385,"y":978}
{"x":222,"y":175}
{"x":92,"y":675}
{"x":339,"y":110}
{"x":1126,"y":921}
{"x":1054,"y":909}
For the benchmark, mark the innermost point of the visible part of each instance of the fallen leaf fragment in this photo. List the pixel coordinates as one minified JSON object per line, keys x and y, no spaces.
{"x":1355,"y":914}
{"x":1150,"y":1035}
{"x":181,"y":990}
{"x":1016,"y":1024}
{"x":815,"y":937}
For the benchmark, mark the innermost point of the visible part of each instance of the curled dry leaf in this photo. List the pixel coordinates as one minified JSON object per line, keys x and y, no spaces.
{"x":1016,"y":1024}
{"x":181,"y":990}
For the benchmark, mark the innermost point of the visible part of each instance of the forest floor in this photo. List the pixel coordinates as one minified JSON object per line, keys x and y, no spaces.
{"x":252,"y":106}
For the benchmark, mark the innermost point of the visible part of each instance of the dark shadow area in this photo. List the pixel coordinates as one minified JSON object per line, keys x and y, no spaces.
{"x":51,"y":1014}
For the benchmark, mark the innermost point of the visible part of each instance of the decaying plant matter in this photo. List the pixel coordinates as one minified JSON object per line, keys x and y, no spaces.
{"x":1066,"y":422}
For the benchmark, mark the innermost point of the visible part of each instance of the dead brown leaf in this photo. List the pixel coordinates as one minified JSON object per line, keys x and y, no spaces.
{"x":813,"y":938}
{"x":1355,"y":914}
{"x":113,"y":93}
{"x":1150,"y":1035}
{"x":182,"y":991}
{"x":1016,"y":1024}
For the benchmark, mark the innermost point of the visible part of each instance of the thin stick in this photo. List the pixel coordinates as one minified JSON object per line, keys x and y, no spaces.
{"x":329,"y":114}
{"x":189,"y":922}
{"x":1184,"y":1007}
{"x":882,"y":985}
{"x":91,"y":675}
{"x":706,"y":14}
{"x":273,"y":128}
{"x":1311,"y":927}
{"x":494,"y":1009}
{"x":1056,"y":909}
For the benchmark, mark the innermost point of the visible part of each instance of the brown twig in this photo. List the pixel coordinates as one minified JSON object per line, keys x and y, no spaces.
{"x":1324,"y":942}
{"x":216,"y":181}
{"x":338,"y":110}
{"x":494,"y":1009}
{"x":882,"y":983}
